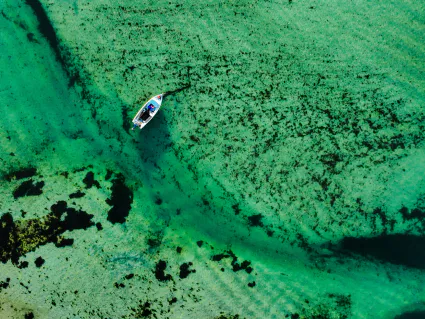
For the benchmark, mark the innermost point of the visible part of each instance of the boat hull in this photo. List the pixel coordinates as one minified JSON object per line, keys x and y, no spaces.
{"x":144,"y":116}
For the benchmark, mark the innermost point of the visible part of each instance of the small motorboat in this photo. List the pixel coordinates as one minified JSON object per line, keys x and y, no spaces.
{"x":148,"y":111}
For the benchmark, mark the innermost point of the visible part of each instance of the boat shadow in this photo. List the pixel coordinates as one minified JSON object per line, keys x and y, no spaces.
{"x":153,"y":140}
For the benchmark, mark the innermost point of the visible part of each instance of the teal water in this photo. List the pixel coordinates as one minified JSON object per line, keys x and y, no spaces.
{"x":284,"y":181}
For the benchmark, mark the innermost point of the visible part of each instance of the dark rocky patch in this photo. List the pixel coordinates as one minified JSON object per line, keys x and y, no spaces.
{"x":179,"y":250}
{"x":18,"y":238}
{"x":205,"y":202}
{"x":119,"y":285}
{"x":75,"y":78}
{"x":160,"y":271}
{"x":219,"y":257}
{"x":99,"y":226}
{"x":236,"y":209}
{"x":173,"y":300}
{"x":195,"y":139}
{"x":341,"y":301}
{"x":245,"y":265}
{"x":30,"y":37}
{"x":158,"y":201}
{"x":27,"y":188}
{"x":22,"y":173}
{"x":185,"y":271}
{"x":90,"y":181}
{"x":222,"y":316}
{"x":23,"y":264}
{"x":143,"y":310}
{"x":251,"y":284}
{"x":63,"y":242}
{"x":81,"y":169}
{"x":155,"y":239}
{"x":77,"y":219}
{"x":330,"y":160}
{"x":199,"y":243}
{"x":121,"y":200}
{"x":255,"y":220}
{"x":129,"y":276}
{"x":399,"y":249}
{"x":39,"y":262}
{"x":4,"y":284}
{"x":64,"y":174}
{"x":77,"y":194}
{"x":29,"y":315}
{"x":416,"y":213}
{"x":411,"y":315}
{"x":108,"y":174}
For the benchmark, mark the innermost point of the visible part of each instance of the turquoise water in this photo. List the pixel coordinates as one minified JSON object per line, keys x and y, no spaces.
{"x":285,"y":179}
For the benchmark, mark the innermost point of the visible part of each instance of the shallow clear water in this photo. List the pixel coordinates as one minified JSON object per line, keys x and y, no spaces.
{"x":284,"y":179}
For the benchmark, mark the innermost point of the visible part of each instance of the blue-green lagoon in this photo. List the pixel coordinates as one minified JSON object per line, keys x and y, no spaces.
{"x":282,"y":178}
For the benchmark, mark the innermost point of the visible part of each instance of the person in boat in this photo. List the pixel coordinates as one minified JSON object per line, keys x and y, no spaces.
{"x":151,"y":108}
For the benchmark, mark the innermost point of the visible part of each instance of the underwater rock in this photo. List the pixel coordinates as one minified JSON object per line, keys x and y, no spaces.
{"x":90,"y":181}
{"x":121,"y":200}
{"x":29,"y":315}
{"x":63,"y":242}
{"x":415,"y":213}
{"x":228,"y":317}
{"x":255,"y":220}
{"x":39,"y":262}
{"x":219,"y":257}
{"x":22,"y":236}
{"x":236,"y":209}
{"x":22,"y":173}
{"x":108,"y":174}
{"x":160,"y":271}
{"x":143,"y":310}
{"x":27,"y":188}
{"x":173,"y":300}
{"x":77,"y":194}
{"x":245,"y":265}
{"x":185,"y":271}
{"x":76,"y":219}
{"x":4,"y":284}
{"x":129,"y":276}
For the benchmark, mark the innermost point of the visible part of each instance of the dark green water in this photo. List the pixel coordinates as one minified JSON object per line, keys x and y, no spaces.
{"x":285,"y":181}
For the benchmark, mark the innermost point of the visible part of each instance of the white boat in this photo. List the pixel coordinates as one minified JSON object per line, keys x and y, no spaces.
{"x":148,"y":111}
